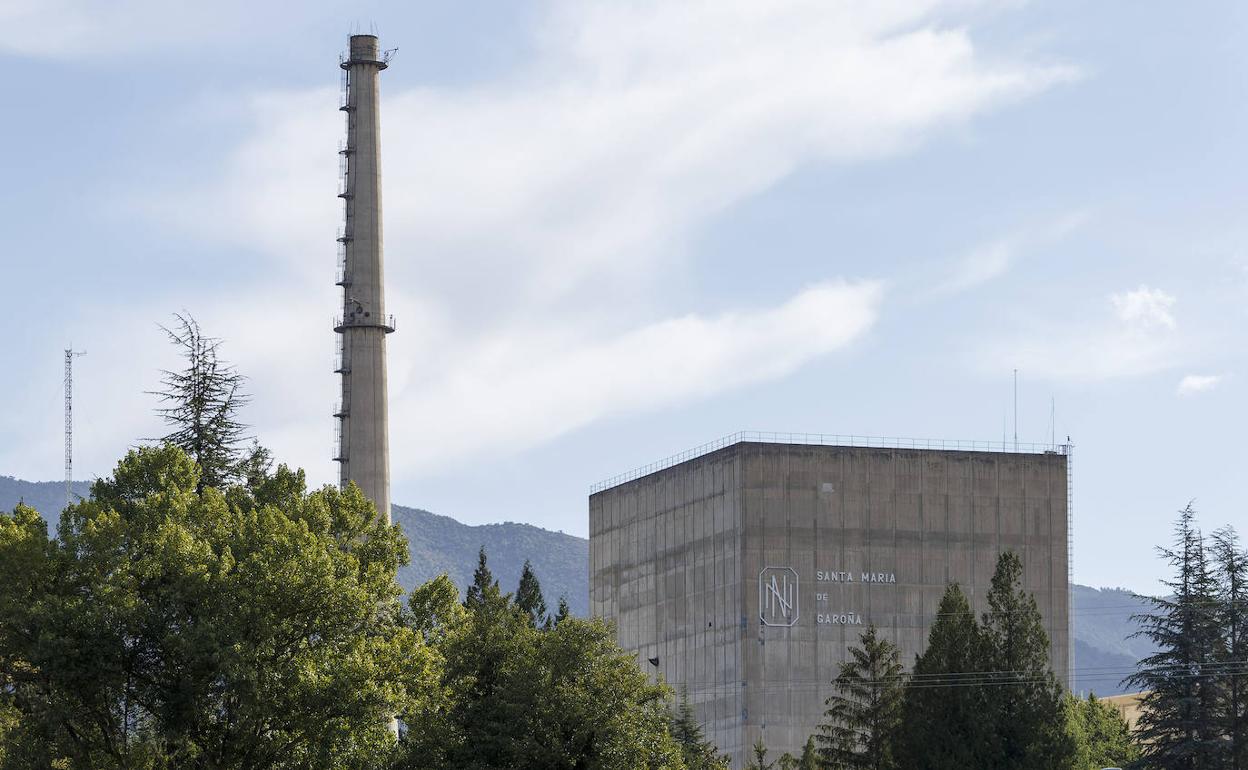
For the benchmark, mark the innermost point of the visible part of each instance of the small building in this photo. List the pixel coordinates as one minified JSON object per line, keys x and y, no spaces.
{"x":1130,"y":705}
{"x":743,"y":570}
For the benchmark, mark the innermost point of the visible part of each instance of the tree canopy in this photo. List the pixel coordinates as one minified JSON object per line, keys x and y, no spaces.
{"x":946,"y":725}
{"x":201,"y":405}
{"x":697,"y":752}
{"x":1100,"y":735}
{"x":982,"y":694}
{"x":1024,"y":697}
{"x":758,"y":757}
{"x":1193,"y":712}
{"x":864,"y":713}
{"x":170,"y":624}
{"x":809,"y":759}
{"x":1231,"y":572}
{"x":529,"y":597}
{"x":1178,"y":717}
{"x":483,"y":583}
{"x":515,"y":694}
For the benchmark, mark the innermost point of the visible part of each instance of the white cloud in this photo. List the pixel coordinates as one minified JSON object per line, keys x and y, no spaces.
{"x":993,"y":259}
{"x":524,"y":387}
{"x":78,"y":29}
{"x":633,"y":127}
{"x":534,"y":221}
{"x":1192,"y":384}
{"x":980,"y":266}
{"x":1140,"y":337}
{"x":1144,"y":309}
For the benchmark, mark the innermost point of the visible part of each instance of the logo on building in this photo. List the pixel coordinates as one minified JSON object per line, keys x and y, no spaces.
{"x":777,"y":596}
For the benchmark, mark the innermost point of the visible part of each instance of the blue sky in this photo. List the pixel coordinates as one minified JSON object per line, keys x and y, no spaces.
{"x":616,"y":231}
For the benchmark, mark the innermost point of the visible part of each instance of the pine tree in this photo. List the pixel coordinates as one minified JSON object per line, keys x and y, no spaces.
{"x":759,"y":762}
{"x":810,"y":756}
{"x":203,"y":401}
{"x":562,"y":613}
{"x":529,"y":597}
{"x":809,"y":759}
{"x":482,"y":582}
{"x":1179,"y":726}
{"x":863,"y":717}
{"x":1025,"y":698}
{"x":256,"y":466}
{"x":698,"y":753}
{"x":1231,"y":568}
{"x":944,"y":713}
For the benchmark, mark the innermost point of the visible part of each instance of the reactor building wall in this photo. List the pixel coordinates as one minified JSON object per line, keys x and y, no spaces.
{"x":747,"y":571}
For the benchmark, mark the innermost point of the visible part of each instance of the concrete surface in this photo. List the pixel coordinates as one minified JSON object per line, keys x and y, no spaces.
{"x":683,"y":559}
{"x":364,"y":437}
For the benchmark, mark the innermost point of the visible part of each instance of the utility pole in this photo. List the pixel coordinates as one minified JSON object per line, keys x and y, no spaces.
{"x":70,"y":353}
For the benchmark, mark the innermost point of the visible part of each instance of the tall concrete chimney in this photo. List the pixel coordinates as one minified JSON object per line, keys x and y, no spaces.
{"x":363,"y":451}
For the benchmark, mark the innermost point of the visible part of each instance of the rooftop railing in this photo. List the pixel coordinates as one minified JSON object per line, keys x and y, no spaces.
{"x":830,"y":439}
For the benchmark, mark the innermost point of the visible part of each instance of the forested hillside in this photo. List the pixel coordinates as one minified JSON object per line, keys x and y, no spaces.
{"x":442,"y":544}
{"x":1106,"y":647}
{"x":47,"y":497}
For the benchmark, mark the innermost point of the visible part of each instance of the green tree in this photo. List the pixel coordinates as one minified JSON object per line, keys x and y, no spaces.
{"x":24,"y":568}
{"x":1231,"y":574}
{"x":1024,"y":697}
{"x":1100,"y":735}
{"x":202,"y":403}
{"x":1179,"y":727}
{"x":480,"y":657}
{"x":529,"y":596}
{"x":435,"y":608}
{"x":483,"y":583}
{"x":759,"y":760}
{"x":10,"y":722}
{"x":255,"y":466}
{"x":562,"y":613}
{"x":594,"y":707}
{"x":809,"y":760}
{"x":945,"y":711}
{"x":863,"y":717}
{"x":514,"y":696}
{"x":171,"y":625}
{"x":697,"y":752}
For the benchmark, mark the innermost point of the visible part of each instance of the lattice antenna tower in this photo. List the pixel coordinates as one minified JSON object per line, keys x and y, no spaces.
{"x":70,"y":354}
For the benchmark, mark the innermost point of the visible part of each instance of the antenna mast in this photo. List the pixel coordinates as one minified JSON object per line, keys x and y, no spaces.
{"x":1015,"y":410}
{"x":69,"y":421}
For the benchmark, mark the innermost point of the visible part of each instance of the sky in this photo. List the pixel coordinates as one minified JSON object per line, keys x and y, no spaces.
{"x":615,"y":231}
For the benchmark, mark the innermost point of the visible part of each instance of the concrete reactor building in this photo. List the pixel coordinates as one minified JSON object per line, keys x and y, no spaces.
{"x":743,"y":570}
